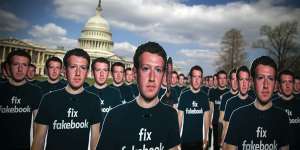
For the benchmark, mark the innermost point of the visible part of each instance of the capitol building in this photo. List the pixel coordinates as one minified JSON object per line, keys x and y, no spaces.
{"x":95,"y":38}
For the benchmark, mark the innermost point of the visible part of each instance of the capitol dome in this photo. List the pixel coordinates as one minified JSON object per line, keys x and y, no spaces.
{"x":96,"y":37}
{"x":97,"y":23}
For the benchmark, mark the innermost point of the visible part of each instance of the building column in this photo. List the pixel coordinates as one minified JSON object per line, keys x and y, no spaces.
{"x":6,"y":51}
{"x":40,"y":57}
{"x":43,"y":58}
{"x":37,"y":58}
{"x":3,"y":54}
{"x":46,"y":58}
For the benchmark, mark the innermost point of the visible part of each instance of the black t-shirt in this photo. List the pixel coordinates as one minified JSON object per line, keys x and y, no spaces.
{"x":251,"y":93}
{"x":275,"y":96}
{"x":224,"y":98}
{"x":85,"y":85}
{"x":292,"y":108}
{"x":162,"y":92}
{"x":134,"y":89}
{"x":205,"y":89}
{"x":250,"y":128}
{"x":16,"y":106}
{"x":47,"y":87}
{"x":176,"y":92}
{"x":181,"y":88}
{"x":69,"y":118}
{"x":35,"y":82}
{"x":3,"y":80}
{"x":214,"y":96}
{"x":193,"y":105}
{"x":125,"y":91}
{"x":109,"y":97}
{"x":297,"y":95}
{"x":172,"y":99}
{"x":235,"y":103}
{"x":129,"y":126}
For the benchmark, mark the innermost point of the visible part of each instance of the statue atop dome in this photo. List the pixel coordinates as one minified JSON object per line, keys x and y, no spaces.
{"x":99,"y":7}
{"x":96,"y":37}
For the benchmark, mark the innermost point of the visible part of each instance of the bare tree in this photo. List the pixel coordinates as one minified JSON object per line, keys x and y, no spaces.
{"x":281,"y":43}
{"x":232,"y":54}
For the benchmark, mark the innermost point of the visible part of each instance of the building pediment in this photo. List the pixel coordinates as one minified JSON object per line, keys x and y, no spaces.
{"x":19,"y":43}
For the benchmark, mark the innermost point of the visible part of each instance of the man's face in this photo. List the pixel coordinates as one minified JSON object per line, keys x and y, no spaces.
{"x":297,"y":85}
{"x":150,"y":75}
{"x":244,"y":82}
{"x":286,"y":84}
{"x":76,"y":71}
{"x":54,"y":70}
{"x":100,"y":73}
{"x":276,"y":88}
{"x":118,"y":74}
{"x":215,"y":81}
{"x":129,"y":76}
{"x":181,"y":80}
{"x":234,"y":82}
{"x":174,"y":79}
{"x":206,"y":82}
{"x":30,"y":72}
{"x":19,"y":67}
{"x":264,"y":83}
{"x":222,"y":80}
{"x":210,"y":82}
{"x":196,"y":79}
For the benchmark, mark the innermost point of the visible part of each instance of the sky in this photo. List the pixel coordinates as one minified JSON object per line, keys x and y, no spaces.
{"x":189,"y":30}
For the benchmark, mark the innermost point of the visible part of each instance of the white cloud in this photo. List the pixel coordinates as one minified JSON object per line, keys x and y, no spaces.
{"x":124,"y":49}
{"x":197,"y":53}
{"x":52,"y":36}
{"x":202,"y":57}
{"x":75,"y":10}
{"x":173,"y":22}
{"x":10,"y":22}
{"x":49,"y":30}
